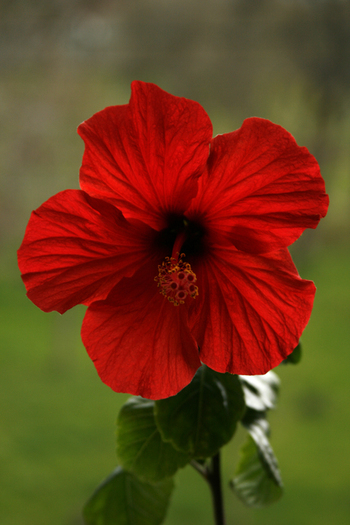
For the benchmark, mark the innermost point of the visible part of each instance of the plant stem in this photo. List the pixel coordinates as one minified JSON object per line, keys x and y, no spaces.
{"x":212,"y":475}
{"x":214,"y":480}
{"x":201,"y":469}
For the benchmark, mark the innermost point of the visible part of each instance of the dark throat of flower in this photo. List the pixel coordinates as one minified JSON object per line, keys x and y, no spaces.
{"x":175,"y":279}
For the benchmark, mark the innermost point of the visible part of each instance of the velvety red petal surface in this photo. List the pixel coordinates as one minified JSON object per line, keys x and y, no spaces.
{"x":251,"y":310}
{"x":145,"y":157}
{"x":261,"y":188}
{"x":139,"y":342}
{"x":76,"y":249}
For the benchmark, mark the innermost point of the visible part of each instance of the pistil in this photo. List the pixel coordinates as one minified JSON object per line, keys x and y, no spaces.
{"x":179,"y":242}
{"x":175,"y":278}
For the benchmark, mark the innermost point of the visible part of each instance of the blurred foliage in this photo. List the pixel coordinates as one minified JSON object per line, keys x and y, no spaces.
{"x":63,"y":60}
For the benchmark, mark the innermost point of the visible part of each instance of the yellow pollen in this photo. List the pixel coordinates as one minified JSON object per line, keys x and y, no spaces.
{"x":176,"y":280}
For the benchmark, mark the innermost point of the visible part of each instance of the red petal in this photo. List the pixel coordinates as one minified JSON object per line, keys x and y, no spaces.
{"x":139,"y":342}
{"x":252,"y":312}
{"x":76,"y":249}
{"x":262,"y":189}
{"x":145,"y":157}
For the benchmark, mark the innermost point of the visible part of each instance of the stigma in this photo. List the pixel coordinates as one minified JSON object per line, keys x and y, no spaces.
{"x":176,"y":280}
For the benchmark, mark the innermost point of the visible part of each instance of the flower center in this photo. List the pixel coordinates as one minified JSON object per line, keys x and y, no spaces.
{"x":176,"y":280}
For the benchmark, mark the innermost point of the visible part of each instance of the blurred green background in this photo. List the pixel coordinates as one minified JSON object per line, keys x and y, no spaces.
{"x":63,"y":60}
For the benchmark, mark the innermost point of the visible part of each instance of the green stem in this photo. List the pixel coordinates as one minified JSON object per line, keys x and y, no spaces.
{"x":212,"y":475}
{"x":216,"y":489}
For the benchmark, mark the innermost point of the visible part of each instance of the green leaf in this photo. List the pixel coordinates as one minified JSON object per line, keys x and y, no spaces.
{"x":122,"y":499}
{"x":203,"y":416}
{"x":140,"y":448}
{"x":260,"y":391}
{"x":253,"y":482}
{"x":293,"y":358}
{"x":259,"y":429}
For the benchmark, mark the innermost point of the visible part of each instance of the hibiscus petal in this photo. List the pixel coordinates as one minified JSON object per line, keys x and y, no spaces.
{"x":145,"y":157}
{"x":261,"y":188}
{"x":139,"y":342}
{"x":76,"y":249}
{"x":251,"y":310}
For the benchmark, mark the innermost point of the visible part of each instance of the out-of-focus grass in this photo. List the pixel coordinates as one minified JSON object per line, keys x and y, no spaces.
{"x":57,"y":430}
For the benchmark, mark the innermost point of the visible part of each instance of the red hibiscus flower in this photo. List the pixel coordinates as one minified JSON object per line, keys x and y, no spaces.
{"x":177,"y":243}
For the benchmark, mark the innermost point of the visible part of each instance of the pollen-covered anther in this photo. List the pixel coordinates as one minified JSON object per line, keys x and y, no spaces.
{"x":176,"y":280}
